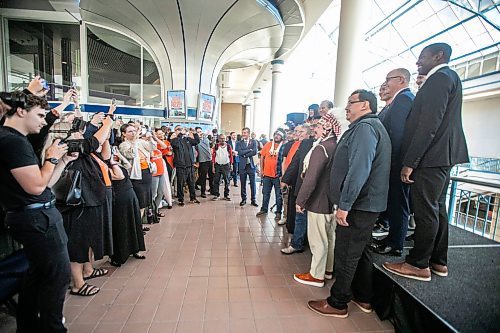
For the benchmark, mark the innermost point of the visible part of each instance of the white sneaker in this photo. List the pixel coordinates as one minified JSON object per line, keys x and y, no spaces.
{"x":281,"y":222}
{"x":215,"y":198}
{"x":290,"y":250}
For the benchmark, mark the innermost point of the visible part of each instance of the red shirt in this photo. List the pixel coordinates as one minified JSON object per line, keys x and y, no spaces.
{"x":164,"y":152}
{"x":158,"y":160}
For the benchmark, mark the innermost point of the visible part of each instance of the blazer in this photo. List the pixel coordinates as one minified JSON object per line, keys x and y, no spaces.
{"x":394,"y":120}
{"x":294,"y":170}
{"x":246,"y":153}
{"x":433,"y":135}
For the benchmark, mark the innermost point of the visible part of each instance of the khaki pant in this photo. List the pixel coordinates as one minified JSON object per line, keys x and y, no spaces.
{"x":321,"y":236}
{"x":285,"y":206}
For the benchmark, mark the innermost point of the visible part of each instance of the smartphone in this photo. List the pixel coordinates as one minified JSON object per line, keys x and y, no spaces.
{"x":73,"y":85}
{"x":113,"y":101}
{"x":114,"y":149}
{"x":44,"y":83}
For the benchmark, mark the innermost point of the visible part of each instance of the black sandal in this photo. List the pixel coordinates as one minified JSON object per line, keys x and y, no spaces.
{"x":85,"y":290}
{"x":139,"y":256}
{"x":97,"y":272}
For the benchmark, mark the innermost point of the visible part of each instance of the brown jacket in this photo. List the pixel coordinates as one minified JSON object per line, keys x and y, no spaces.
{"x":313,"y":195}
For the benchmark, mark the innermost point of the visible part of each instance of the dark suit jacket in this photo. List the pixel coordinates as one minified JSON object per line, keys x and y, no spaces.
{"x":434,"y":136}
{"x":292,"y":174}
{"x":394,"y":120}
{"x":246,"y":153}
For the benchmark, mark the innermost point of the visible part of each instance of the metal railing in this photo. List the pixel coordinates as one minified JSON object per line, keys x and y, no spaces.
{"x":474,"y":205}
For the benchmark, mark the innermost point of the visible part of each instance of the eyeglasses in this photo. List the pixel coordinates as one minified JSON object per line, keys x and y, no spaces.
{"x":387,"y":79}
{"x":349,"y":103}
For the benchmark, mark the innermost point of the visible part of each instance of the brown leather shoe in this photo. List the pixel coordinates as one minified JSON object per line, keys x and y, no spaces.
{"x":440,"y":270}
{"x":408,"y":271}
{"x":365,"y":307}
{"x":323,"y":308}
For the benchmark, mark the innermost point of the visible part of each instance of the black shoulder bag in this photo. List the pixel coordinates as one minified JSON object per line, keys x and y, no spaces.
{"x":68,"y":189}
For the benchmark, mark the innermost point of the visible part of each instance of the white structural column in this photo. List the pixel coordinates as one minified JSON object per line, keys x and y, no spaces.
{"x":256,"y":96}
{"x":351,"y":49}
{"x":277,"y":70}
{"x":248,"y":115}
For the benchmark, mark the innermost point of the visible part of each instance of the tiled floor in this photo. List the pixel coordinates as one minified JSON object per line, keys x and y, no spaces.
{"x":212,"y":267}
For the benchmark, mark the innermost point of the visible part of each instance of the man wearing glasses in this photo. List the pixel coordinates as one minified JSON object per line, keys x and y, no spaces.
{"x":393,"y":116}
{"x":359,"y":183}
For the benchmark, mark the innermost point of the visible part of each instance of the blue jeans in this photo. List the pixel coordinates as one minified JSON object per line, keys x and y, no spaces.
{"x":234,"y":173}
{"x":268,"y":184}
{"x":299,"y":232}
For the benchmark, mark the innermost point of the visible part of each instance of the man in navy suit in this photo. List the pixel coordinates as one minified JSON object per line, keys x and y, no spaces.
{"x":433,"y":142}
{"x":236,"y":159}
{"x":393,"y":117}
{"x":247,"y":149}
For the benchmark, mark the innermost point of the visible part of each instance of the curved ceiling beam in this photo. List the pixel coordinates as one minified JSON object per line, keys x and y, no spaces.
{"x":210,"y":37}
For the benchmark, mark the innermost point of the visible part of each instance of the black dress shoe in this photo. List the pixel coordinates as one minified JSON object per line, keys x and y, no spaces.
{"x":388,"y":250}
{"x":181,"y":203}
{"x":254,"y":204}
{"x":243,"y":202}
{"x":203,"y":195}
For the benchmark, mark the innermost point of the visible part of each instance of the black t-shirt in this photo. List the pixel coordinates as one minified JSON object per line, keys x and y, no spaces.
{"x":16,"y":152}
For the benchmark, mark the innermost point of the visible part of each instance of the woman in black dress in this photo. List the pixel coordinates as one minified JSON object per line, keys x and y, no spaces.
{"x":128,"y":237}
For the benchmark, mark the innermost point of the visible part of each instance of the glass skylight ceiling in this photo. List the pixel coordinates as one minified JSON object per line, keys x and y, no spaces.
{"x":399,"y":29}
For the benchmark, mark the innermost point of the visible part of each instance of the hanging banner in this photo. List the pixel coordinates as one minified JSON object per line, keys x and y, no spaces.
{"x":176,"y":100}
{"x":206,"y":107}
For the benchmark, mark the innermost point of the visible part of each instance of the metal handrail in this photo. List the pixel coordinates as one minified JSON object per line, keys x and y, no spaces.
{"x":475,"y":210}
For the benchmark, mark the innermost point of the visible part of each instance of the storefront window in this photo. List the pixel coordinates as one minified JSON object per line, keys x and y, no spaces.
{"x":51,"y":50}
{"x":115,"y":63}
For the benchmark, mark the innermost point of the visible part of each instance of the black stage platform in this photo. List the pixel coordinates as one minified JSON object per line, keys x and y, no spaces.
{"x":465,"y":301}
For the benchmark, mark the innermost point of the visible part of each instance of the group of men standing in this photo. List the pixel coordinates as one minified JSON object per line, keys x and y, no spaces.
{"x":388,"y":163}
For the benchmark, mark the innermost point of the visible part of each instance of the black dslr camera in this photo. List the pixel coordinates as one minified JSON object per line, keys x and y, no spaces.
{"x":77,"y":125}
{"x":75,"y":146}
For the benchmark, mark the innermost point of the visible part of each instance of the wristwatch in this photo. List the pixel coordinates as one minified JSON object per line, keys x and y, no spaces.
{"x":53,"y":160}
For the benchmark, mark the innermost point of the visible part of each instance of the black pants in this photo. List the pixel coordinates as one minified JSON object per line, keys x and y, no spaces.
{"x":398,"y":210}
{"x":203,"y":171}
{"x":45,"y":243}
{"x":250,"y":172}
{"x":353,"y":260}
{"x":221,"y":170}
{"x":428,"y":196}
{"x":184,"y":175}
{"x":290,"y":216}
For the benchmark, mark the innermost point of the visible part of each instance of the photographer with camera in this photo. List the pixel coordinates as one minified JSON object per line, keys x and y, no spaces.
{"x":31,"y":216}
{"x":87,"y":222}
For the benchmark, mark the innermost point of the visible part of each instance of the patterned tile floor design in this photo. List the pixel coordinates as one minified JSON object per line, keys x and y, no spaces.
{"x":212,"y":267}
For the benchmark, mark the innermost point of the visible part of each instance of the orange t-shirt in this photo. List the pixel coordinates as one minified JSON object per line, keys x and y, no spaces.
{"x":158,"y":160}
{"x":270,"y":161}
{"x":291,"y":153}
{"x":164,"y":152}
{"x":144,"y":162}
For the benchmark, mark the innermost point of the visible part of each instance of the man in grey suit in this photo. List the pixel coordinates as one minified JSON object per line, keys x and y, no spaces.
{"x":433,"y":143}
{"x":247,"y":149}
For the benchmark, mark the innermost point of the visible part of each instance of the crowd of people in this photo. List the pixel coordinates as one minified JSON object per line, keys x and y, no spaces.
{"x":75,"y":191}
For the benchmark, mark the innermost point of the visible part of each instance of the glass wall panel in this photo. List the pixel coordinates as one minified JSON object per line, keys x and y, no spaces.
{"x":51,"y":50}
{"x":115,"y":67}
{"x":151,"y":80}
{"x":114,"y":63}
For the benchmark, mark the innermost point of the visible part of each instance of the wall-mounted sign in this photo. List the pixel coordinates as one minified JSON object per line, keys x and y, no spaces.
{"x":206,"y":107}
{"x":176,"y":104}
